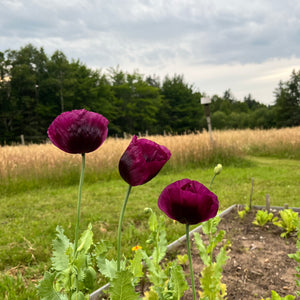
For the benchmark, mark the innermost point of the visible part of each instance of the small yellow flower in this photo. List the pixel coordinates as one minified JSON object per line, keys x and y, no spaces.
{"x":136,"y":248}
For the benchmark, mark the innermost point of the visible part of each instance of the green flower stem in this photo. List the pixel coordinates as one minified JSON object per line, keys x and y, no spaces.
{"x":120,"y":228}
{"x":190,"y":260}
{"x":212,"y":180}
{"x":78,"y":205}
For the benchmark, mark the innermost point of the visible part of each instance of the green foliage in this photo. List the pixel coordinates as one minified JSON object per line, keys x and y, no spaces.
{"x":72,"y":273}
{"x":296,"y":256}
{"x":182,"y":259}
{"x":15,"y":287}
{"x":288,"y":101}
{"x":288,"y":221}
{"x":168,"y":281}
{"x":21,"y":213}
{"x":275,"y":296}
{"x":243,"y":212}
{"x":262,"y":218}
{"x":35,"y":88}
{"x":121,"y":287}
{"x":211,"y":274}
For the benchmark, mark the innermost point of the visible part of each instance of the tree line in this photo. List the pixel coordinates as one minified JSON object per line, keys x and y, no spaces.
{"x":35,"y":88}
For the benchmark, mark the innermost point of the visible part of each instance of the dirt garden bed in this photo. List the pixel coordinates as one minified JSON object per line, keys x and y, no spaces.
{"x":258,"y":262}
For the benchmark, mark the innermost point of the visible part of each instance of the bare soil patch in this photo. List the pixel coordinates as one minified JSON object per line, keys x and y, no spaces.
{"x":258,"y":260}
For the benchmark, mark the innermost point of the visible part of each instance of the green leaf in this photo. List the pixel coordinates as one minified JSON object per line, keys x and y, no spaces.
{"x":90,"y":278}
{"x":102,"y":248}
{"x":46,"y":290}
{"x":209,"y":282}
{"x":60,"y":260}
{"x":86,"y":240}
{"x":211,"y":225}
{"x":275,"y":296}
{"x":178,"y":282}
{"x":78,"y":296}
{"x":202,"y":250}
{"x":220,"y":261}
{"x":155,"y":274}
{"x":107,"y":268}
{"x":159,"y":252}
{"x":215,"y":240}
{"x":121,"y":287}
{"x":151,"y":295}
{"x":136,"y":266}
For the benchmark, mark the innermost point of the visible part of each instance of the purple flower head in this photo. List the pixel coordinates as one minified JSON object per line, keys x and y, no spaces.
{"x":78,"y":131}
{"x":142,"y":160}
{"x":188,"y":202}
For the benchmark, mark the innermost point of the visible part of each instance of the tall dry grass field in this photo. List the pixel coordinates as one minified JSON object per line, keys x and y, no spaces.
{"x":45,"y":161}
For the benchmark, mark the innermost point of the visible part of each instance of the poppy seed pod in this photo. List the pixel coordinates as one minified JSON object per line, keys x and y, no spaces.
{"x":142,"y":160}
{"x":78,"y":131}
{"x":188,"y":202}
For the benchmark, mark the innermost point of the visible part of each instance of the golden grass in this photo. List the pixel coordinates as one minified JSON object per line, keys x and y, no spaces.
{"x":34,"y":161}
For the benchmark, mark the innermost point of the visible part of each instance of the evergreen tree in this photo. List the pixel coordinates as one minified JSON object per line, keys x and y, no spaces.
{"x":288,"y":101}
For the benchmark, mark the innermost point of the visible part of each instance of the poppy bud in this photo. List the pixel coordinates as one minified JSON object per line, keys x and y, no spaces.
{"x":218,"y":169}
{"x":142,"y":160}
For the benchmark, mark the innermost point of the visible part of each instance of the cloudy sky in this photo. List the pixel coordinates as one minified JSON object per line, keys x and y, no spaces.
{"x":247,"y":46}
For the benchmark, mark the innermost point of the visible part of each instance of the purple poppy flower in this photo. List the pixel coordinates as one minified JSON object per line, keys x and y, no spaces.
{"x":188,"y":202}
{"x":78,"y":131}
{"x":142,"y":160}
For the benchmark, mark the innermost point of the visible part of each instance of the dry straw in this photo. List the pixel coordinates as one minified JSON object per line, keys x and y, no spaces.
{"x":35,"y":161}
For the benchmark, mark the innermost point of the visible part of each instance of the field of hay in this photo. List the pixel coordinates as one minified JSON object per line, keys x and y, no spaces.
{"x":46,"y":162}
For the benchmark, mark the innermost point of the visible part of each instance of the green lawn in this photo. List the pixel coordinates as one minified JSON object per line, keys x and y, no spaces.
{"x":29,"y":218}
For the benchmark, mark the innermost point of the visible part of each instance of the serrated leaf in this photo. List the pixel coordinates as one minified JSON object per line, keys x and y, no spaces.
{"x":178,"y":282}
{"x":102,"y":248}
{"x":159,"y":252}
{"x":78,"y":296}
{"x":220,"y":261}
{"x":46,"y":290}
{"x":86,"y":240}
{"x":275,"y":296}
{"x":107,"y":268}
{"x":155,"y":274}
{"x":202,"y":250}
{"x":211,"y":225}
{"x":81,"y":264}
{"x":151,"y":295}
{"x":209,"y":283}
{"x":60,"y":260}
{"x":121,"y":287}
{"x":136,"y":266}
{"x":90,"y":278}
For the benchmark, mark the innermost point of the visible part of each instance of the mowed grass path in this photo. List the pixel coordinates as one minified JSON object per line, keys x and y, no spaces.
{"x":28,"y":219}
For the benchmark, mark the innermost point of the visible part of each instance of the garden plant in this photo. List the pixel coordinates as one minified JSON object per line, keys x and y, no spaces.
{"x":73,"y":275}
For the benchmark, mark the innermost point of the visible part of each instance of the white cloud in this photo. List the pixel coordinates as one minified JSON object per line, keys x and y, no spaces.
{"x":216,"y":44}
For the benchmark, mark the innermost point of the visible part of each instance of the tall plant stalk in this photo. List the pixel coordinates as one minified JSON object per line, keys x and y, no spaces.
{"x":190,"y":260}
{"x":120,"y":228}
{"x":79,"y":204}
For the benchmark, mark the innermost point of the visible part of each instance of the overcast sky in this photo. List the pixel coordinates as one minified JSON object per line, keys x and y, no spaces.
{"x":247,"y":46}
